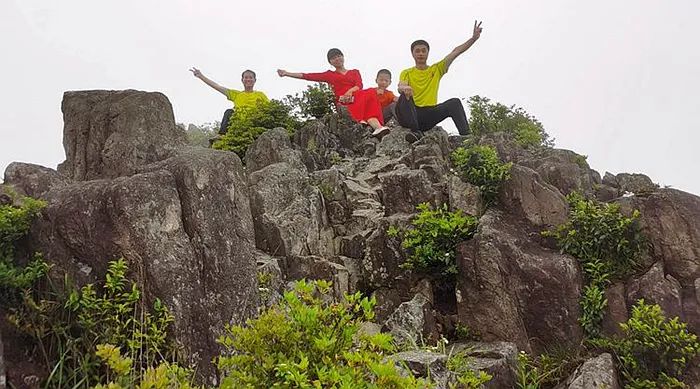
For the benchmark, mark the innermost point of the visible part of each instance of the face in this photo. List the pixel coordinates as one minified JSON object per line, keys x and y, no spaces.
{"x":338,"y":61}
{"x":383,"y":80}
{"x":420,"y":53}
{"x":248,"y":80}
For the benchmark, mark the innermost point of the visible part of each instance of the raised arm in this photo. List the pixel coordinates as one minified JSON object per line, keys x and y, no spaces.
{"x":464,"y":46}
{"x":284,"y":73}
{"x":198,"y":74}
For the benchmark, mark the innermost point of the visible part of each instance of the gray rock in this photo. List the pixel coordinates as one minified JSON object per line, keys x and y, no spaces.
{"x":403,"y":189}
{"x":317,"y":268}
{"x":565,"y":170}
{"x":595,"y":373}
{"x":464,"y":196}
{"x":109,"y":134}
{"x":527,"y":194}
{"x":499,"y":359}
{"x":657,"y":288}
{"x":512,"y":289}
{"x":384,"y":255}
{"x":32,"y":180}
{"x":636,"y":183}
{"x":413,"y":322}
{"x":273,"y":146}
{"x":423,"y":364}
{"x":271,"y":279}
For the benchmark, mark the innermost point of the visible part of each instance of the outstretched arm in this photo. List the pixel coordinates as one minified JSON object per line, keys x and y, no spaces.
{"x":284,"y":73}
{"x":464,"y":46}
{"x":198,"y":74}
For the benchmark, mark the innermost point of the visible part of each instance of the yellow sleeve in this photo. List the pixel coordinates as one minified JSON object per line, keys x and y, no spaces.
{"x":231,"y":94}
{"x":263,"y":97}
{"x":440,"y":67}
{"x":404,"y":75}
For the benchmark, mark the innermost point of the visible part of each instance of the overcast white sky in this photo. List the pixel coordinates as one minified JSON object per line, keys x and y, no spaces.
{"x":618,"y":81}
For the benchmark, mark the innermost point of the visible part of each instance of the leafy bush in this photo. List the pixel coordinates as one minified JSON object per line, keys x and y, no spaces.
{"x":607,"y":244}
{"x":199,"y":135}
{"x":467,"y":378}
{"x":480,"y":166}
{"x":488,"y":118}
{"x":14,"y":224}
{"x":315,"y":102}
{"x":247,"y":125}
{"x":308,"y":341}
{"x":67,"y":328}
{"x":547,"y":370}
{"x":431,"y":242}
{"x":654,"y":351}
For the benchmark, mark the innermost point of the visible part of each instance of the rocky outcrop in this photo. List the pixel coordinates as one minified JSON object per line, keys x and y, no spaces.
{"x":595,"y":373}
{"x":413,"y":322}
{"x":32,"y":180}
{"x":183,"y":224}
{"x":499,"y":359}
{"x":108,"y":134}
{"x":539,"y":202}
{"x":510,"y":288}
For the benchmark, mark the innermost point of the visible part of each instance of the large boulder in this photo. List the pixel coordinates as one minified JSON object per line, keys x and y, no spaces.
{"x":273,"y":146}
{"x":670,"y":220}
{"x":185,"y":227}
{"x":512,"y":289}
{"x":109,"y":134}
{"x":595,"y":373}
{"x":413,"y":322}
{"x":527,"y":194}
{"x":32,"y":180}
{"x":499,"y":359}
{"x":565,"y":170}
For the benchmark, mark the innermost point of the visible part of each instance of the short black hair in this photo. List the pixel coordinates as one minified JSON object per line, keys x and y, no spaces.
{"x":384,"y":71}
{"x":420,"y":42}
{"x":249,"y":71}
{"x":332,"y":53}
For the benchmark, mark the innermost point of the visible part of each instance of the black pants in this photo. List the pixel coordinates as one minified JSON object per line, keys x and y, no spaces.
{"x":388,"y":112}
{"x":225,"y":120}
{"x":425,"y":118}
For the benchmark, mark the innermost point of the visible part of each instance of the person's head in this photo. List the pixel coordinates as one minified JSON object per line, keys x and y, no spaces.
{"x":248,"y":79}
{"x":419,"y":51}
{"x":335,"y":58}
{"x":383,"y":78}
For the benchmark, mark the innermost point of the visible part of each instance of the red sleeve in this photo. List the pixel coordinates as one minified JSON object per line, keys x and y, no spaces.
{"x":321,"y":77}
{"x":357,"y":78}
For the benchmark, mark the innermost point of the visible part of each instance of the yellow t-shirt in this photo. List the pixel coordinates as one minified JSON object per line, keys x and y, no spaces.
{"x":243,"y":99}
{"x":425,"y":82}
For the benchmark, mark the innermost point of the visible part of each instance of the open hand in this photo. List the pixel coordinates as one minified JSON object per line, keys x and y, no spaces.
{"x":196,"y":72}
{"x":281,"y":72}
{"x":406,"y":90}
{"x":477,"y":30}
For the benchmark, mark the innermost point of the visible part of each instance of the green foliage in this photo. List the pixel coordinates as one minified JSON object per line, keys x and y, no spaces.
{"x":545,"y":371}
{"x":467,"y":378}
{"x":14,"y":224}
{"x":309,"y":341}
{"x":654,"y":351}
{"x":464,"y":332}
{"x":246,"y":125}
{"x":488,"y":117}
{"x":68,"y":327}
{"x":607,"y":244}
{"x":315,"y":102}
{"x":431,"y":243}
{"x":199,"y":135}
{"x":480,"y":166}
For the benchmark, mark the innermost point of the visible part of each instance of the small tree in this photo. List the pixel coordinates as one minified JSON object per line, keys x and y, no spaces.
{"x":488,"y":117}
{"x":315,"y":102}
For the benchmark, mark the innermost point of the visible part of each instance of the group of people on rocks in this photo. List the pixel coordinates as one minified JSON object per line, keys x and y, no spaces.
{"x":415,"y":107}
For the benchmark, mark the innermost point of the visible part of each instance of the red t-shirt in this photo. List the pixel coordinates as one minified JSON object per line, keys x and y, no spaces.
{"x":339,"y":82}
{"x":385,"y":98}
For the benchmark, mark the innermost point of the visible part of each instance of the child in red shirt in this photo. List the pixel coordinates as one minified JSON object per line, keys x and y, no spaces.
{"x":387,"y":100}
{"x":363,"y":105}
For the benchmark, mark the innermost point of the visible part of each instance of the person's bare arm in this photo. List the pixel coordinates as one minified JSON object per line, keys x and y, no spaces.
{"x":198,"y":74}
{"x":284,"y":73}
{"x":459,"y":50}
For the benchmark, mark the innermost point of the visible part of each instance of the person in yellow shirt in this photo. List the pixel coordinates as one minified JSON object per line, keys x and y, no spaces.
{"x":417,"y":107}
{"x":245,"y":99}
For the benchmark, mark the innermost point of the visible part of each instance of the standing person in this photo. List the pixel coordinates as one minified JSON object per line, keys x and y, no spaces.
{"x":245,"y":99}
{"x":387,"y":99}
{"x":347,"y":87}
{"x":417,"y":107}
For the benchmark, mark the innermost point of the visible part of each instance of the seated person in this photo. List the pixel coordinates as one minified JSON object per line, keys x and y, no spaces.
{"x":417,"y":107}
{"x":347,"y":87}
{"x":245,"y":99}
{"x":387,"y":100}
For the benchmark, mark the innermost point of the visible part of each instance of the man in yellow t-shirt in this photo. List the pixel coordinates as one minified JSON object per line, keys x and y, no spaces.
{"x":417,"y":107}
{"x":245,"y":99}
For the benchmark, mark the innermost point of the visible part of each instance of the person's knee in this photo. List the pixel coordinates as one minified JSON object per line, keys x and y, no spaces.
{"x":454,"y":102}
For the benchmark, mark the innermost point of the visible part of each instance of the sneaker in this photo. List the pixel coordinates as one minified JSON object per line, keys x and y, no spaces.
{"x":381,"y":131}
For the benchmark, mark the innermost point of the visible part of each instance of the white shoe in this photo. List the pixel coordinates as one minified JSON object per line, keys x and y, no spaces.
{"x":381,"y":131}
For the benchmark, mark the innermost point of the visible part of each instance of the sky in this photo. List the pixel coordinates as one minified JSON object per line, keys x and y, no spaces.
{"x":616,"y":81}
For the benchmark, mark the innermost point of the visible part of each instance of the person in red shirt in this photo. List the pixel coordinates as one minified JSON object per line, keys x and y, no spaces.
{"x":387,"y":99}
{"x":362,"y":104}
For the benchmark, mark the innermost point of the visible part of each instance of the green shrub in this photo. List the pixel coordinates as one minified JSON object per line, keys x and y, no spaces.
{"x":547,"y":370}
{"x":308,"y":341}
{"x":607,"y":244}
{"x":431,"y":243}
{"x":199,"y":135}
{"x":247,"y":125}
{"x":654,"y":351}
{"x":14,"y":224}
{"x":68,"y":326}
{"x":467,"y":378}
{"x":480,"y":166}
{"x":488,"y":117}
{"x":315,"y":102}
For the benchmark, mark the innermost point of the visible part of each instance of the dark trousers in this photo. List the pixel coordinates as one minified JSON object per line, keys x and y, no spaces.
{"x":388,"y":112}
{"x":225,"y":120}
{"x":425,"y":118}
